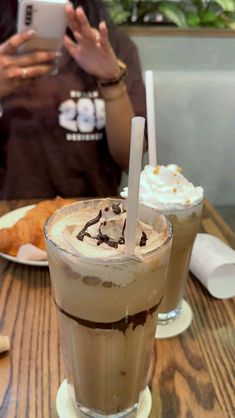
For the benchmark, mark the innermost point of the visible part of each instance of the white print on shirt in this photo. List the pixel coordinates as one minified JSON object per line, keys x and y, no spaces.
{"x":84,"y":137}
{"x":84,"y":115}
{"x":91,"y":94}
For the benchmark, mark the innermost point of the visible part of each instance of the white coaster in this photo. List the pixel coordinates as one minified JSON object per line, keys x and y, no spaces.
{"x":176,"y":326}
{"x":66,"y":409}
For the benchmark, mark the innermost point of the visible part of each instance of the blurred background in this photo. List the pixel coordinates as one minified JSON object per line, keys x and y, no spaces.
{"x":190,"y":46}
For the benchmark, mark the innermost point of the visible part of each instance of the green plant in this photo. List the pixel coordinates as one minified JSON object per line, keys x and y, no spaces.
{"x":184,"y":13}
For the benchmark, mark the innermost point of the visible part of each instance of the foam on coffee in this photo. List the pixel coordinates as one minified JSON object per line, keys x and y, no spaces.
{"x":100,"y":232}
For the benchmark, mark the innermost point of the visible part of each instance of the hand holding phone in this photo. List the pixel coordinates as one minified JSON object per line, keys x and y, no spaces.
{"x":22,"y":67}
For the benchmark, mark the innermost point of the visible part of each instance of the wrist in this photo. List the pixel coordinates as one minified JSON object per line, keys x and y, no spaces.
{"x":115,"y":80}
{"x":113,"y":92}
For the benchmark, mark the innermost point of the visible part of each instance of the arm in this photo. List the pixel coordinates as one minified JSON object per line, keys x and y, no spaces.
{"x":119,"y":112}
{"x":94,"y":54}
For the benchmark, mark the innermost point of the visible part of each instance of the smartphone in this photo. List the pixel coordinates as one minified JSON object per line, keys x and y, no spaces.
{"x":47,"y":18}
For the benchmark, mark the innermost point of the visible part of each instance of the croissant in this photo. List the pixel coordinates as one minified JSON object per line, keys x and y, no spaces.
{"x":29,"y":229}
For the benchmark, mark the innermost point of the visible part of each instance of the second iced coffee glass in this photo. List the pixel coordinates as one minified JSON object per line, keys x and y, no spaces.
{"x":107,"y":312}
{"x":185,"y":223}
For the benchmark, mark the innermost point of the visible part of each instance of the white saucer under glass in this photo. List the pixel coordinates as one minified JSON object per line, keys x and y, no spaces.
{"x":176,"y":325}
{"x":66,"y":407}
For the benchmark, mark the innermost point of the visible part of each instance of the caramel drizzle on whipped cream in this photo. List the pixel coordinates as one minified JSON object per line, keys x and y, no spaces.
{"x":104,"y":238}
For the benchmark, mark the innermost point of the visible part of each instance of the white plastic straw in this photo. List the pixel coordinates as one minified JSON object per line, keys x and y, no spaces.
{"x":136,"y":151}
{"x":152,"y":142}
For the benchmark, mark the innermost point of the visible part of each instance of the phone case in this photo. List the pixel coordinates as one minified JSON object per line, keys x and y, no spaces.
{"x":47,"y":18}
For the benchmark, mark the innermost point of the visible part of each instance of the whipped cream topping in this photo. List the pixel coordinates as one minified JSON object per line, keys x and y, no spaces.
{"x":165,"y":187}
{"x":100,"y":232}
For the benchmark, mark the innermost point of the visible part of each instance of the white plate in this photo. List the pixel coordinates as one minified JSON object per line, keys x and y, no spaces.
{"x":8,"y":220}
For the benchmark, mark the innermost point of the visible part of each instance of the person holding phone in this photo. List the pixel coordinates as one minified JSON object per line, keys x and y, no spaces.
{"x":69,"y":134}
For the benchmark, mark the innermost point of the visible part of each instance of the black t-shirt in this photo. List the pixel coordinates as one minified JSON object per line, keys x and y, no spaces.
{"x":52,"y":133}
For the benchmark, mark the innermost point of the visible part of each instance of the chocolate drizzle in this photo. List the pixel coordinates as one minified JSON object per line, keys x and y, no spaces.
{"x":104,"y":238}
{"x":116,"y":208}
{"x":143,"y":239}
{"x":121,"y":240}
{"x":132,"y":321}
{"x":83,"y":232}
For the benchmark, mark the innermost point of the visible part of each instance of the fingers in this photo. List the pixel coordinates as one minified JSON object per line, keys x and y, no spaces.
{"x":77,"y":36}
{"x":70,"y":46}
{"x":84,"y":25}
{"x":25,"y":73}
{"x":34,"y":58}
{"x":73,"y":24}
{"x":15,"y":41}
{"x":12,"y":79}
{"x":104,"y":38}
{"x":35,"y":71}
{"x":79,"y":23}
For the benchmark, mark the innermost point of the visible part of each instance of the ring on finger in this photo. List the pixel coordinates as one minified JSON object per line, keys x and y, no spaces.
{"x":24,"y":73}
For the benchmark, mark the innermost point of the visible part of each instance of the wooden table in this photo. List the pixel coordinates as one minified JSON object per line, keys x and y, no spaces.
{"x":193,"y":375}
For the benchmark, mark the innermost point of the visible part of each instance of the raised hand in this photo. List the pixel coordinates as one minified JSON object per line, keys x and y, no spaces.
{"x":92,"y":50}
{"x":17,"y":69}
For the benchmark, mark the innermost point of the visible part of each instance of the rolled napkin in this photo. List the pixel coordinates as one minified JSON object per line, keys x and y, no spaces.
{"x":30,"y":252}
{"x":4,"y":344}
{"x":213,"y":263}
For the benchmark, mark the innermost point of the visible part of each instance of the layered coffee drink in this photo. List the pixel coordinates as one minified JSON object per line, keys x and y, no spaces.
{"x":168,"y":191}
{"x":107,"y":301}
{"x":185,"y":224}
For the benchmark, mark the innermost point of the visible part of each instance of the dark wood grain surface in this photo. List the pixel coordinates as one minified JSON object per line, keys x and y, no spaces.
{"x":193,"y":375}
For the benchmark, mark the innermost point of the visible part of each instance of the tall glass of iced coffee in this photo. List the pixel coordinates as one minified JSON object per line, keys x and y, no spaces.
{"x":107,"y":301}
{"x":168,"y":191}
{"x":185,"y":224}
